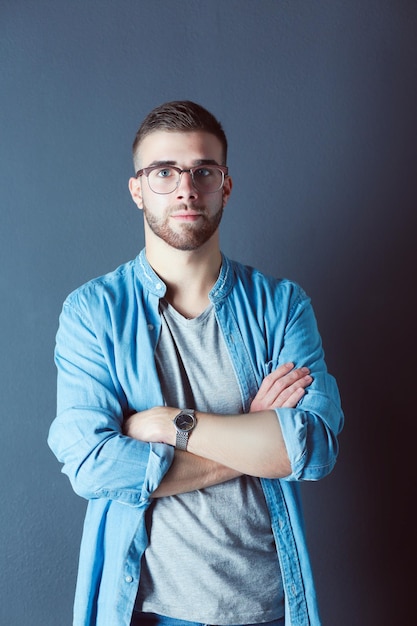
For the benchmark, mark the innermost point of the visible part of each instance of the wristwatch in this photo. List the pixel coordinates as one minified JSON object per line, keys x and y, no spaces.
{"x":184,"y":422}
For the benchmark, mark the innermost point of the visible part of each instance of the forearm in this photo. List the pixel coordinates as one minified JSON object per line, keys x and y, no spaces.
{"x":249,"y":443}
{"x":189,"y":472}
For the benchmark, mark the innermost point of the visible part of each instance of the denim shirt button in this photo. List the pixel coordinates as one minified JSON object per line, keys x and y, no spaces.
{"x":129,"y":579}
{"x":150,"y":326}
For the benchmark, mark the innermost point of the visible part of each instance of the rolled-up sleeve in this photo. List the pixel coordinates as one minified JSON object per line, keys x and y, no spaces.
{"x":86,"y":435}
{"x":311,"y":429}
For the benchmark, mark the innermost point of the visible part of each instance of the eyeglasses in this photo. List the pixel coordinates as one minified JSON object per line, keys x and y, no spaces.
{"x":166,"y":178}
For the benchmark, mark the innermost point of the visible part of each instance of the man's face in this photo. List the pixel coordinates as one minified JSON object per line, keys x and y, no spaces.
{"x":186,"y":218}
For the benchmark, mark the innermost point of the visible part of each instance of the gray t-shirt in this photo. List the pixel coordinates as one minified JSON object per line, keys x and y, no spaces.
{"x":211,"y":556}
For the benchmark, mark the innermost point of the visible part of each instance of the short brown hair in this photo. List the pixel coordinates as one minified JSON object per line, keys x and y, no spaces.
{"x":182,"y":116}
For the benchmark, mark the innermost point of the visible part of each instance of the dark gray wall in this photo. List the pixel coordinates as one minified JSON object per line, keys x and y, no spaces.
{"x":319,"y":101}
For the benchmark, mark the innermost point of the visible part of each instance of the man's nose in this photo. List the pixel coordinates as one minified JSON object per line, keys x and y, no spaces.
{"x":186,"y":187}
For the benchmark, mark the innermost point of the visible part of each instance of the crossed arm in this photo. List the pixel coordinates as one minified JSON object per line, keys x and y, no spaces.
{"x":223,"y":447}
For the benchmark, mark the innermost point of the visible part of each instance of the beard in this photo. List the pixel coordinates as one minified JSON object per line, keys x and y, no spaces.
{"x":189,"y":236}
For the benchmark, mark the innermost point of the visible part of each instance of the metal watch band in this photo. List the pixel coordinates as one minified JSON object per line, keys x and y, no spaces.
{"x":181,"y":440}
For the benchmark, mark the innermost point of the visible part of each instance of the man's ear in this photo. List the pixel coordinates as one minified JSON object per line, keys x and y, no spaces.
{"x":136,"y":192}
{"x":227,"y":190}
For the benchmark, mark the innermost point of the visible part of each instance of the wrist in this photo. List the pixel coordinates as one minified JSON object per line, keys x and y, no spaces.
{"x":184,"y":423}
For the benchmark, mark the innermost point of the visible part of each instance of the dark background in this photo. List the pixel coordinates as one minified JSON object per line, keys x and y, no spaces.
{"x":319,"y":102}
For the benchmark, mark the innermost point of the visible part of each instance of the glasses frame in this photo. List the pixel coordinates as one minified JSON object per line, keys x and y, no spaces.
{"x":145,"y":171}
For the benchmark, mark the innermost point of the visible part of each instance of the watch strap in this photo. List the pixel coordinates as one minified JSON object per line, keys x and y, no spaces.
{"x":181,"y":441}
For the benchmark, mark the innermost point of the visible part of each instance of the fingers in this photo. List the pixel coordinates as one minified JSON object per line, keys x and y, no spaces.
{"x":291,"y":397}
{"x":292,"y":400}
{"x":284,"y":387}
{"x":282,"y":380}
{"x":284,"y":375}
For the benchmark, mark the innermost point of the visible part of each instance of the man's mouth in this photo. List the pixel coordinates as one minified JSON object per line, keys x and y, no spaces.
{"x":186,"y":214}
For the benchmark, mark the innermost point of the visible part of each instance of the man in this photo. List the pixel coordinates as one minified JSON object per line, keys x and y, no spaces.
{"x":192,"y":398}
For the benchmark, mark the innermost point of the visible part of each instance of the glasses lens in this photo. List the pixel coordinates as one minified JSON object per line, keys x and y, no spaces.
{"x":163,"y":179}
{"x":208,"y":179}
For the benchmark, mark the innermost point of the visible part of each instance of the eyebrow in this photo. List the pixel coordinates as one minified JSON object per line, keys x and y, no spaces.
{"x":196,"y":163}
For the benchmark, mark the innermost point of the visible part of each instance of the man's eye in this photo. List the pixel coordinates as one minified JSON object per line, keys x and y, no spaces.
{"x":164,"y":173}
{"x":202,"y":172}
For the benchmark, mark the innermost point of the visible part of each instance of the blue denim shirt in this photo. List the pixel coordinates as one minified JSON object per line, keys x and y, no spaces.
{"x":104,"y":353}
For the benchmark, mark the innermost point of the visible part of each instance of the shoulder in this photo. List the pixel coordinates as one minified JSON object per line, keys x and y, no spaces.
{"x":260,"y":284}
{"x":105,"y":289}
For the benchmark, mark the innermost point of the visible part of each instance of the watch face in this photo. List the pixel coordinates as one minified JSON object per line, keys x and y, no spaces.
{"x":185,"y":422}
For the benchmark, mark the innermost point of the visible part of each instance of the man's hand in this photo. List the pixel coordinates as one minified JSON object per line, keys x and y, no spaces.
{"x":153,"y":425}
{"x":284,"y":387}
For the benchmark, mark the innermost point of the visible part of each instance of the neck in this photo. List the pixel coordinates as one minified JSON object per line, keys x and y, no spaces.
{"x":188,"y":275}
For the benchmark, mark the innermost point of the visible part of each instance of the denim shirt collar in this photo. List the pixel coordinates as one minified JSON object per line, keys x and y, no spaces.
{"x":156,"y":285}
